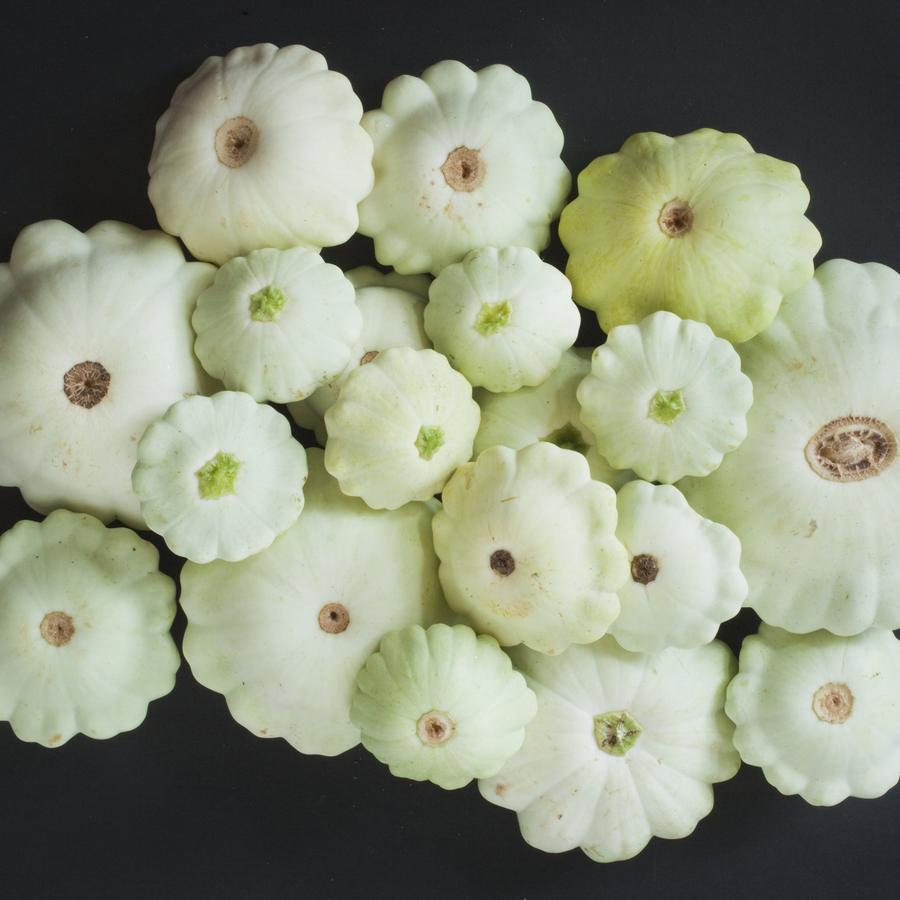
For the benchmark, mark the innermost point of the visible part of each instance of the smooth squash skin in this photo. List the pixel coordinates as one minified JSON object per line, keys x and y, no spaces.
{"x":95,"y":344}
{"x":462,"y":160}
{"x":85,"y":615}
{"x":699,"y":225}
{"x":813,"y":493}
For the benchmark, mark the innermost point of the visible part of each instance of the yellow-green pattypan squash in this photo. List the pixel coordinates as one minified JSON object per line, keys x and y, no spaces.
{"x":700,"y":225}
{"x":85,"y":615}
{"x":442,"y":705}
{"x":813,"y":492}
{"x":95,"y":344}
{"x":261,"y":148}
{"x":462,"y":160}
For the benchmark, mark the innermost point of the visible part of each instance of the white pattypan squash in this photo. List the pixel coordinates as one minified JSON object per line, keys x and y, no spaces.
{"x":502,"y":317}
{"x":277,"y":324}
{"x":624,"y":747}
{"x":819,"y":713}
{"x":220,"y":477}
{"x":549,"y":412}
{"x":392,"y":308}
{"x":261,"y":148}
{"x":85,"y":615}
{"x":685,"y":571}
{"x":462,"y":160}
{"x":284,"y":633}
{"x":665,"y":398}
{"x":700,"y":225}
{"x":95,"y":344}
{"x":814,"y":491}
{"x":400,"y":426}
{"x":442,"y":705}
{"x":528,"y":547}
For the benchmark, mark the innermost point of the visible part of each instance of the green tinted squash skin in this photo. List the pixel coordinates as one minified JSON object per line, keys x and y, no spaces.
{"x":747,"y":245}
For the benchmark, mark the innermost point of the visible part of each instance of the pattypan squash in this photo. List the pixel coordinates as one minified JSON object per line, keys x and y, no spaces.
{"x":819,"y":713}
{"x":665,"y":398}
{"x":549,"y":412}
{"x":277,"y":324}
{"x":814,"y":491}
{"x":400,"y":426}
{"x":700,"y":225}
{"x":95,"y":344}
{"x":528,"y":547}
{"x":261,"y":148}
{"x":392,"y":316}
{"x":462,"y":160}
{"x":85,"y":615}
{"x":502,"y":317}
{"x":220,"y":477}
{"x":442,"y":705}
{"x":624,"y":747}
{"x":685,"y":573}
{"x":284,"y":633}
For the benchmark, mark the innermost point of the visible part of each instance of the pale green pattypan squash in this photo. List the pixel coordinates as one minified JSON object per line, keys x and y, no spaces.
{"x":502,"y":317}
{"x":549,"y":412}
{"x":665,"y":398}
{"x":400,"y":426}
{"x":392,"y":316}
{"x":220,"y":477}
{"x":685,"y":571}
{"x":85,"y":615}
{"x":462,"y":160}
{"x":819,"y":713}
{"x":814,"y":491}
{"x":95,"y":344}
{"x":700,"y":225}
{"x":277,"y":324}
{"x":624,"y":747}
{"x":528,"y":547}
{"x":442,"y":705}
{"x":283,"y":634}
{"x":261,"y":148}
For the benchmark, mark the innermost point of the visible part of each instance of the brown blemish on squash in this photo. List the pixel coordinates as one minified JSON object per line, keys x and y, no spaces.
{"x":55,"y":739}
{"x":833,"y":702}
{"x":367,"y":357}
{"x":236,"y":141}
{"x":57,"y":628}
{"x":503,"y":562}
{"x":334,"y":618}
{"x":463,"y":170}
{"x":644,"y":568}
{"x":86,"y":384}
{"x":852,"y":448}
{"x":435,"y":728}
{"x":813,"y":525}
{"x":676,"y":218}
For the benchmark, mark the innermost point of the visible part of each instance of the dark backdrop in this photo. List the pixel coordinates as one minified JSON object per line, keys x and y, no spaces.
{"x":192,"y":805}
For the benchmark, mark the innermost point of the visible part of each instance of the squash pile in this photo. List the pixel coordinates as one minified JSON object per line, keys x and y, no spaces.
{"x":511,"y":559}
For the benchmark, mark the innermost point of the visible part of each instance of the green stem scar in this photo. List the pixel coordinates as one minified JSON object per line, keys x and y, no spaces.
{"x":569,"y":438}
{"x":267,"y":303}
{"x":430,"y":440}
{"x":216,"y":477}
{"x":666,"y":406}
{"x":616,"y":732}
{"x":493,"y":317}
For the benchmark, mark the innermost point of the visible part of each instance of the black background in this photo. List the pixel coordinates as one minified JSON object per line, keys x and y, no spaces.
{"x":192,"y":805}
